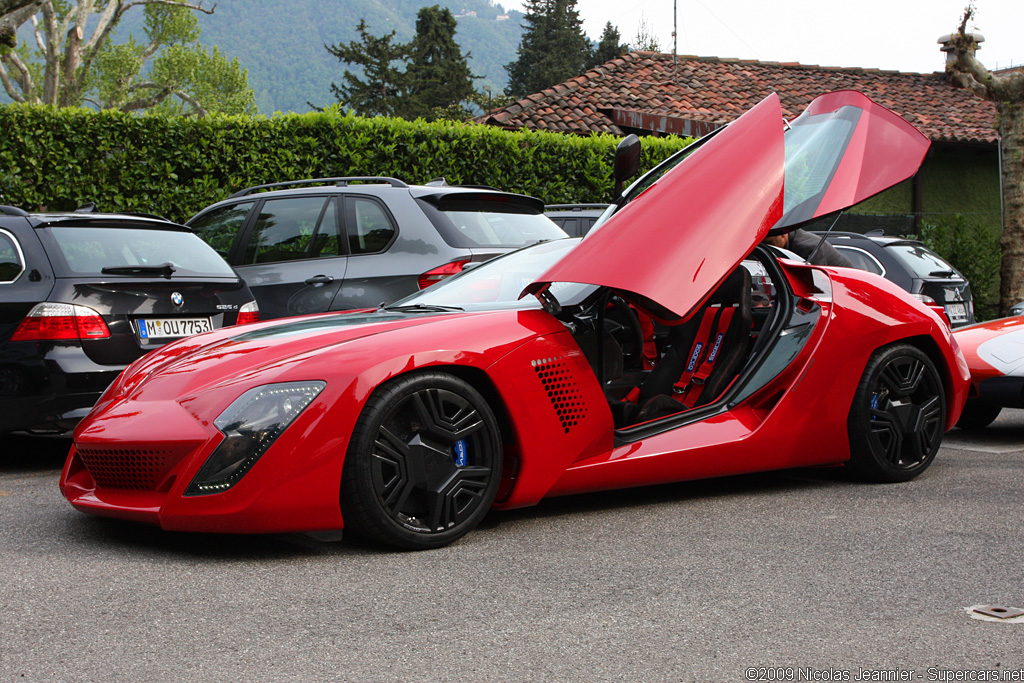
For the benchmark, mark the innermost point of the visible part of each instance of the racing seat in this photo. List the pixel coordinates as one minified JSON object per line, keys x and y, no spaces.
{"x":704,"y":354}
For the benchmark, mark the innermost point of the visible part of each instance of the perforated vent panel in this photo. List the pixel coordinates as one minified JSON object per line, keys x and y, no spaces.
{"x":565,"y":396}
{"x":140,"y":469}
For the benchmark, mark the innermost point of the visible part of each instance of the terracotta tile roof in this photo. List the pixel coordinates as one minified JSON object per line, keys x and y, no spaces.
{"x":711,"y":89}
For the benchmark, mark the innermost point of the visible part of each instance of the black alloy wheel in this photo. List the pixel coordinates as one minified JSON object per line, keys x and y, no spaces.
{"x":424,"y":462}
{"x":898,"y":415}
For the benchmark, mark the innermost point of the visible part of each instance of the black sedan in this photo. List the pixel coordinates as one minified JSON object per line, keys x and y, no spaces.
{"x":84,"y":294}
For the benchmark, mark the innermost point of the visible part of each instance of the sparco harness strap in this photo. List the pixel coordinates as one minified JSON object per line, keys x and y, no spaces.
{"x":705,"y":350}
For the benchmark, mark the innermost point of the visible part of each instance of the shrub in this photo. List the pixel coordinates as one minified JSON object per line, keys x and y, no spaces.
{"x":974,"y":250}
{"x":175,"y":166}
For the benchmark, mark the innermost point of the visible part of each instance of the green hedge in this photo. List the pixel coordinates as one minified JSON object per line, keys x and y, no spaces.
{"x":58,"y":159}
{"x":974,"y":250}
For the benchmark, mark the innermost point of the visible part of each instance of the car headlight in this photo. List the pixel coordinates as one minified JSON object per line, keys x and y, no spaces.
{"x":250,"y":425}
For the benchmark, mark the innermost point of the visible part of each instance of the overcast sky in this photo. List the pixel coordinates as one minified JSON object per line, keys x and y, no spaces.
{"x":899,"y":35}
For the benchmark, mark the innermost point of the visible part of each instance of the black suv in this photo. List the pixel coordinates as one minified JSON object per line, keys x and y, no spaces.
{"x":912,"y":266}
{"x":82,"y":295}
{"x":329,"y":244}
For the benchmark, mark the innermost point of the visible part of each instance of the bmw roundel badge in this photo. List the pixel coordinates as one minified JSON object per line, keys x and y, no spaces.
{"x":177,"y":299}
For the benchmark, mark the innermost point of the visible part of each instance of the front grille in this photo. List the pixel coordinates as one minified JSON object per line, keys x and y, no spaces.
{"x":140,"y":469}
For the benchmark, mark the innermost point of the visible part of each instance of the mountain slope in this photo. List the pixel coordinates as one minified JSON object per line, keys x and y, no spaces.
{"x":282,"y":43}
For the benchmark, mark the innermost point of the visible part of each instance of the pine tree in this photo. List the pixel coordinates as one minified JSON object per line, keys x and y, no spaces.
{"x":383,"y":93}
{"x":438,"y":74}
{"x":608,"y":48}
{"x":553,"y":48}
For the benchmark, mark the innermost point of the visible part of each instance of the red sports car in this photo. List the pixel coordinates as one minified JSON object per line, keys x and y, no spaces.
{"x":667,"y":345}
{"x":995,"y":355}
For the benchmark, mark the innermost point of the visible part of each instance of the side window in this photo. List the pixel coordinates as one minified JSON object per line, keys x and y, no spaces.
{"x":219,"y":228}
{"x":861,"y":259}
{"x":11,"y":261}
{"x":284,"y":229}
{"x":369,"y":226}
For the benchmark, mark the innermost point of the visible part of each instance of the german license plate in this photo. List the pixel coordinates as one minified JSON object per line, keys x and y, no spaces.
{"x":167,"y":328}
{"x":957,"y":313}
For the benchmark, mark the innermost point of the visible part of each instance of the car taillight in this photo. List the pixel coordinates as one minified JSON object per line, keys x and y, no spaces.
{"x":249,"y":313}
{"x":441,"y":272}
{"x":53,"y":322}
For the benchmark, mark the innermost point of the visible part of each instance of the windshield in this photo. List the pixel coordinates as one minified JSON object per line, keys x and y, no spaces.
{"x":474,"y":221}
{"x":498,"y":282}
{"x":87,"y":251}
{"x":923,"y":262}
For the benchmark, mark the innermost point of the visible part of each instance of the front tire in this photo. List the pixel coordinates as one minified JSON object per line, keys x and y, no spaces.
{"x":424,"y":462}
{"x":898,"y":415}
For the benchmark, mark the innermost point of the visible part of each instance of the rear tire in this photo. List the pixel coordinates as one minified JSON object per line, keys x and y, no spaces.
{"x":424,"y":462}
{"x":978,"y":415}
{"x":898,"y":415}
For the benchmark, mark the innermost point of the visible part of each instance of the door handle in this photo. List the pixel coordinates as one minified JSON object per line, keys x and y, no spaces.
{"x":320,"y":280}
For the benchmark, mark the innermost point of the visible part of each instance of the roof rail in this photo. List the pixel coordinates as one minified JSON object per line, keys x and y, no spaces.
{"x":340,"y":182}
{"x":141,"y":214}
{"x":12,"y":211}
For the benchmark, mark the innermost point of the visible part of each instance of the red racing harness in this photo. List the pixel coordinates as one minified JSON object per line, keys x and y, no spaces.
{"x":705,"y":350}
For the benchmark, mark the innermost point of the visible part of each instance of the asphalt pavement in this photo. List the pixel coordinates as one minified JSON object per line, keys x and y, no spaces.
{"x":798,"y":575}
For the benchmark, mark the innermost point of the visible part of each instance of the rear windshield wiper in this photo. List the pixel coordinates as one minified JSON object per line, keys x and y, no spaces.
{"x":423,"y":308}
{"x":163,"y":270}
{"x":941,"y":273}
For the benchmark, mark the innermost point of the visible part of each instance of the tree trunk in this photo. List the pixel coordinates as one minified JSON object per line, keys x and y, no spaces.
{"x":1011,"y":132}
{"x":11,"y":5}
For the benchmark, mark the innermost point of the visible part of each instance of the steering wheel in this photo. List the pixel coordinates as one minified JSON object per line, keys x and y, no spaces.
{"x":623,"y":324}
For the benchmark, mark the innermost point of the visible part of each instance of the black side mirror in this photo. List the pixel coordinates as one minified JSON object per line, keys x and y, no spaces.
{"x":627,"y":162}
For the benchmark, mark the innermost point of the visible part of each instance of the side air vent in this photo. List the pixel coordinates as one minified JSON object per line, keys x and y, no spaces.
{"x":126,"y":468}
{"x":562,"y":390}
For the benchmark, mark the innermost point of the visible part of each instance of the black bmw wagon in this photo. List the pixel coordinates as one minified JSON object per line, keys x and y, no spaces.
{"x":82,"y":295}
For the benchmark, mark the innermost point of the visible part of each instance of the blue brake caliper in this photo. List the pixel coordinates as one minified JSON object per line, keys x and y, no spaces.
{"x":874,"y":404}
{"x":459,"y":453}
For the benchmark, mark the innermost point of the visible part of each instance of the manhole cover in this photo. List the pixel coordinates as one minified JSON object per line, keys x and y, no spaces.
{"x":997,"y":613}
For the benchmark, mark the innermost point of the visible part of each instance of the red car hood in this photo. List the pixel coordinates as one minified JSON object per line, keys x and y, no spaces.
{"x":264,"y":349}
{"x":674,"y":243}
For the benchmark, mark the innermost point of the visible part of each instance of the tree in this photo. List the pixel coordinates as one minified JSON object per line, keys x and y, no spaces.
{"x":608,"y":48}
{"x":1007,"y":92}
{"x":70,"y":67}
{"x":427,"y":78}
{"x":438,"y":75}
{"x":645,"y":38}
{"x":553,"y":48}
{"x":383,"y":92}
